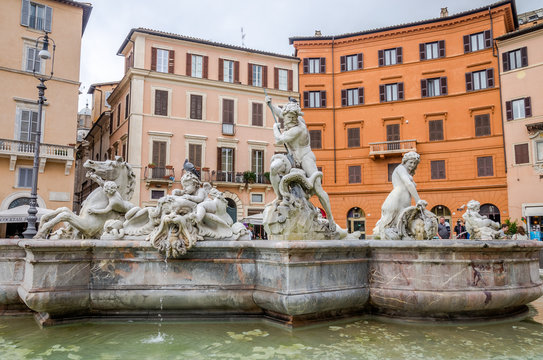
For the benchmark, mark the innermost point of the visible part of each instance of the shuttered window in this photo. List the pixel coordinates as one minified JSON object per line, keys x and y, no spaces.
{"x":351,"y":62}
{"x":477,"y":41}
{"x":390,"y":56}
{"x":228,"y":117}
{"x":433,"y":87}
{"x":515,"y":59}
{"x":350,"y":97}
{"x":315,"y":99}
{"x":28,"y":125}
{"x":435,"y":128}
{"x":521,"y":154}
{"x":161,"y":102}
{"x":257,"y":114}
{"x":437,"y":169}
{"x":196,"y":106}
{"x":36,"y":16}
{"x":315,"y":138}
{"x":518,"y":109}
{"x":355,"y":176}
{"x":314,"y":65}
{"x":482,"y":125}
{"x":33,"y":61}
{"x":257,"y":162}
{"x":159,"y":153}
{"x":195,"y":155}
{"x":478,"y":80}
{"x":353,"y":137}
{"x":432,"y":50}
{"x":391,"y":168}
{"x":484,"y":166}
{"x":162,"y":60}
{"x":391,"y":92}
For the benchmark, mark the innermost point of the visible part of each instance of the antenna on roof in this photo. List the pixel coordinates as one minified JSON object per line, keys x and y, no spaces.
{"x":242,"y":37}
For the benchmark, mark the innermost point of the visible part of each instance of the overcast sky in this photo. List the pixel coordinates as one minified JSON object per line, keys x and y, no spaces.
{"x":267,"y":24}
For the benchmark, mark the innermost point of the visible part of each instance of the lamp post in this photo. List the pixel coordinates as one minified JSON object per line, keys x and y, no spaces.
{"x":43,"y":54}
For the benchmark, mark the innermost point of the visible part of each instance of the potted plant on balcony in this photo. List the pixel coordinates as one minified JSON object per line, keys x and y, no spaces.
{"x":249,"y":177}
{"x":267,"y":177}
{"x":169,"y":167}
{"x":151,"y":165}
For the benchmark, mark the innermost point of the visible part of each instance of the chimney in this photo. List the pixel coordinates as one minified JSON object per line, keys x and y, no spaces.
{"x":444,"y":12}
{"x":318,"y":33}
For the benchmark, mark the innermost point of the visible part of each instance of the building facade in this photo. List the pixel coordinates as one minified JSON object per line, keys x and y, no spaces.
{"x":23,"y":22}
{"x":431,"y":87}
{"x":521,"y":71}
{"x":186,"y":98}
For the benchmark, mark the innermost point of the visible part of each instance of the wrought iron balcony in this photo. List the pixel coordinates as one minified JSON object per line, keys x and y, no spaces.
{"x":24,"y":149}
{"x":159,"y":175}
{"x":392,"y":148}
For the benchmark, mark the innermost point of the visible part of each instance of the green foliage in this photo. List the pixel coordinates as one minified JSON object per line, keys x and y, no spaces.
{"x":249,"y":177}
{"x":512,"y":226}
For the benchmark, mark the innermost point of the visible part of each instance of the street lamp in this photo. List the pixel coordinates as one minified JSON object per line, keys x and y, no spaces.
{"x":43,"y":54}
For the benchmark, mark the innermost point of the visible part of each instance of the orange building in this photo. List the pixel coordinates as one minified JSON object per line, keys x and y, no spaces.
{"x":430,"y":86}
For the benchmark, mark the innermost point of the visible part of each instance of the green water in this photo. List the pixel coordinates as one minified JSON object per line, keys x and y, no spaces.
{"x":21,"y":338}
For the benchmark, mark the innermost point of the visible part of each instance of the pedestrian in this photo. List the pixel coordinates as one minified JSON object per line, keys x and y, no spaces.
{"x":460,"y":230}
{"x":443,"y":231}
{"x":521,"y":234}
{"x":503,"y":231}
{"x":251,"y":232}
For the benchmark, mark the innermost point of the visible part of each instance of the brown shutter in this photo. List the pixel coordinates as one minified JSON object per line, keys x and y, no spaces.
{"x":488,"y":39}
{"x":206,"y":67}
{"x":399,"y":56}
{"x":323,"y":98}
{"x":527,"y":107}
{"x":381,"y":55}
{"x":382,"y":93}
{"x":443,"y":83}
{"x":343,"y":63}
{"x":521,"y":154}
{"x":469,"y":81}
{"x":422,"y":51}
{"x":490,"y":77}
{"x":467,"y":44}
{"x":423,"y":88}
{"x":524,"y":56}
{"x":171,"y":61}
{"x":306,"y":99}
{"x":290,"y":76}
{"x":275,"y":78}
{"x":153,"y":59}
{"x":343,"y":97}
{"x":361,"y":95}
{"x":221,"y":69}
{"x":189,"y":64}
{"x":264,"y":76}
{"x":360,"y":60}
{"x":505,"y":61}
{"x":323,"y":65}
{"x":393,"y":132}
{"x":400,"y":91}
{"x":249,"y":74}
{"x":219,"y":159}
{"x":509,"y":110}
{"x":306,"y":65}
{"x":441,"y":46}
{"x":236,"y":72}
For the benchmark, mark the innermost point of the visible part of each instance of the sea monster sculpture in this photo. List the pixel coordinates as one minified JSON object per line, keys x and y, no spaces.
{"x":479,"y":226}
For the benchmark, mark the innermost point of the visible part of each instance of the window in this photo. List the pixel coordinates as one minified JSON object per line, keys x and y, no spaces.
{"x":478,"y":41}
{"x":24,"y":180}
{"x":435,"y":128}
{"x":108,"y":93}
{"x":118,"y":114}
{"x":353,"y":137}
{"x":127,"y":106}
{"x":391,"y":92}
{"x":161,"y":102}
{"x":159,"y":159}
{"x":196,"y":106}
{"x":432,"y":50}
{"x":390,"y":56}
{"x":195,"y":155}
{"x":257,"y":114}
{"x":315,"y":139}
{"x":539,"y":150}
{"x":225,"y":164}
{"x":314,"y":99}
{"x":350,"y":97}
{"x":162,"y":60}
{"x":258,"y":75}
{"x":228,"y":116}
{"x":484,"y":166}
{"x":33,"y":61}
{"x":515,"y":59}
{"x":28,"y":125}
{"x":391,"y":168}
{"x":478,"y":80}
{"x":521,"y":154}
{"x":482,"y":125}
{"x":314,"y":65}
{"x":228,"y":71}
{"x":433,"y":87}
{"x":157,"y":194}
{"x":282,"y":75}
{"x":257,"y":198}
{"x":393,"y":136}
{"x":351,"y":62}
{"x":518,"y":109}
{"x":197,"y":66}
{"x":36,"y":16}
{"x":355,"y":176}
{"x":437,"y":169}
{"x":257,"y":162}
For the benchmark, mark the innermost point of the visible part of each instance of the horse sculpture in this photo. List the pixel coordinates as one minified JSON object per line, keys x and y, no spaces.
{"x":107,"y":202}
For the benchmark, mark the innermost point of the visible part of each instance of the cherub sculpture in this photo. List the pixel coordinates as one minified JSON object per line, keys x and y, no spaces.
{"x":479,"y":226}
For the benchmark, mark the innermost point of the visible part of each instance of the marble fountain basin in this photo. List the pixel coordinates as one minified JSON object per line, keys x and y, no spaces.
{"x":293,"y":282}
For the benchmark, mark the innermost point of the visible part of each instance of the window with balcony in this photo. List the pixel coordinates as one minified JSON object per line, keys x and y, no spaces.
{"x":257,"y":114}
{"x":435,"y":129}
{"x":518,"y":109}
{"x":477,"y":41}
{"x":355,"y":175}
{"x":228,"y":116}
{"x":225,"y":164}
{"x":522,"y":155}
{"x":515,"y":59}
{"x":433,"y":87}
{"x":353,"y":137}
{"x":24,"y":177}
{"x":159,"y":159}
{"x":28,"y":125}
{"x":393,"y":136}
{"x":484,"y":166}
{"x":482,"y":125}
{"x":432,"y":50}
{"x":350,"y":97}
{"x":195,"y":155}
{"x":315,"y":99}
{"x":351,"y":62}
{"x":437,"y":168}
{"x":257,"y":164}
{"x":390,"y":56}
{"x":391,"y":92}
{"x":315,"y":139}
{"x":36,"y":16}
{"x":314,"y":65}
{"x":196,"y":106}
{"x":479,"y":80}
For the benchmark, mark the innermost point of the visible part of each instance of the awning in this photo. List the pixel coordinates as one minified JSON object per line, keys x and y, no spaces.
{"x":20,"y":213}
{"x":255,"y":219}
{"x":533,"y":211}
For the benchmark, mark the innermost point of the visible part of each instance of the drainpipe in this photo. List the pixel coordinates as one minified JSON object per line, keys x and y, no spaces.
{"x":130,"y":101}
{"x":334,"y":110}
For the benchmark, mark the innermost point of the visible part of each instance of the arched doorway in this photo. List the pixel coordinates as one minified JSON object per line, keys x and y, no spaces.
{"x":232,"y":209}
{"x":356,"y":221}
{"x":491,"y":211}
{"x":442,"y":210}
{"x":16,"y":229}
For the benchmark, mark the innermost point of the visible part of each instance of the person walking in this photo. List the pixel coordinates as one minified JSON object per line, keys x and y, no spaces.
{"x":460,"y":230}
{"x":443,"y":231}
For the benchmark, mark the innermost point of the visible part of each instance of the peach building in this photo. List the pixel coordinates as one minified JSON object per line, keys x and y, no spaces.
{"x":22,"y":23}
{"x":187,"y":98}
{"x":431,"y":86}
{"x":521,"y":72}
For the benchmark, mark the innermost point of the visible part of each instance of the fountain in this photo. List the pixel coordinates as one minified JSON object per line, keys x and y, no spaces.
{"x":110,"y":261}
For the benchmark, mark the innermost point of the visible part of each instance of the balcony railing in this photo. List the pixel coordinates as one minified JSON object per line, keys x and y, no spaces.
{"x":236,"y":177}
{"x":26,"y":149}
{"x":159,"y":174}
{"x":391,"y":148}
{"x":228,"y":129}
